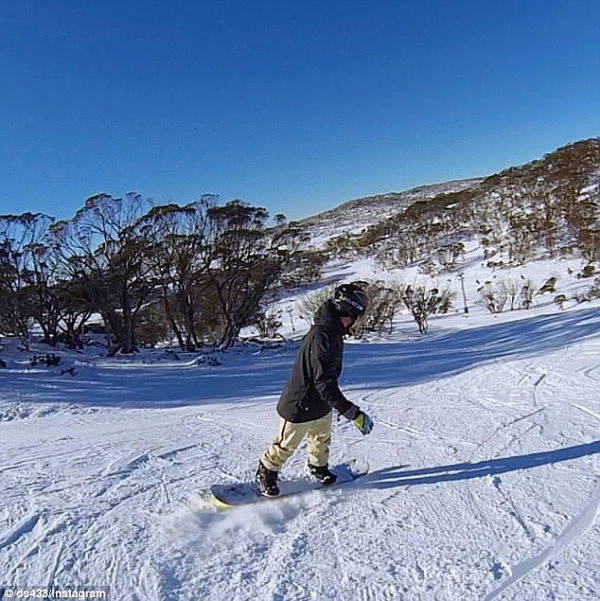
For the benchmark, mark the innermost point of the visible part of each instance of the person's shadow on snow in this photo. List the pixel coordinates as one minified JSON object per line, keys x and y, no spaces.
{"x":392,"y":477}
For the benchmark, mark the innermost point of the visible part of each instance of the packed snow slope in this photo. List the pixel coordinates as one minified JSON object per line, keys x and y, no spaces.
{"x":484,"y":481}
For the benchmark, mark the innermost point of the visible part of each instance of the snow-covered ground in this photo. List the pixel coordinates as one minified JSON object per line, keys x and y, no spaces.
{"x":484,"y":482}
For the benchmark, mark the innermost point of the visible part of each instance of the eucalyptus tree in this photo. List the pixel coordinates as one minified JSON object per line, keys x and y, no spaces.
{"x":27,"y":277}
{"x":179,"y":250}
{"x":105,"y":253}
{"x":244,"y":259}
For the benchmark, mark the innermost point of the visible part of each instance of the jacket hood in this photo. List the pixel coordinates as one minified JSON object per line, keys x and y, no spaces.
{"x":329,"y":316}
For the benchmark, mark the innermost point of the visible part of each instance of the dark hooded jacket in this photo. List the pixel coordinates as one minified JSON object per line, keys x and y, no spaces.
{"x":312,"y":389}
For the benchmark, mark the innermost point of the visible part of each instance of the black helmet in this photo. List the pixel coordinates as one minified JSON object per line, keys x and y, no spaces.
{"x":350,"y":300}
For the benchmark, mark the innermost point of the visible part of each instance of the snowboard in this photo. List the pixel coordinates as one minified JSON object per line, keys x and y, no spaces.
{"x":225,"y":496}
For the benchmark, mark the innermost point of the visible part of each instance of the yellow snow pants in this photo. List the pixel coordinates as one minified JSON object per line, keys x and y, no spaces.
{"x":291,"y":434}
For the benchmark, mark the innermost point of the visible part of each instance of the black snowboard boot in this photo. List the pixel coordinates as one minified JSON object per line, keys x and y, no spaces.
{"x":322,"y":473}
{"x":267,"y":481}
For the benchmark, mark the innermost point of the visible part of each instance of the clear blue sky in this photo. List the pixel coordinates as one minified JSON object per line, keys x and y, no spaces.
{"x":294,"y":105}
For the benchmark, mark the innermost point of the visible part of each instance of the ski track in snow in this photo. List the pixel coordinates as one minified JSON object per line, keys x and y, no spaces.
{"x":13,"y":534}
{"x":579,"y":525}
{"x":483,"y":481}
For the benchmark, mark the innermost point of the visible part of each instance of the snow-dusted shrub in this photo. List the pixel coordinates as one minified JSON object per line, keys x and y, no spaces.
{"x":549,"y":285}
{"x":311,"y":303}
{"x":582,"y":296}
{"x":527,"y":293}
{"x":588,"y":294}
{"x":268,"y":324}
{"x":384,"y":302}
{"x":422,"y":303}
{"x":587,"y":272}
{"x":494,"y":296}
{"x":512,"y":291}
{"x":560,"y":301}
{"x":153,"y":326}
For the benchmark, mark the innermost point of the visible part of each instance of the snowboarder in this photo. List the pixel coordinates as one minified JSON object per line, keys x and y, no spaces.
{"x":312,"y":391}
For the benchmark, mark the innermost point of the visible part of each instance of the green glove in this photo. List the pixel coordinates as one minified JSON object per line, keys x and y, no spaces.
{"x":363,"y":422}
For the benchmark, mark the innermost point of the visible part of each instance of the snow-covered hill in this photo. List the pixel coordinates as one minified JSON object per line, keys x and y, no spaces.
{"x":354,"y":216}
{"x":546,"y":207}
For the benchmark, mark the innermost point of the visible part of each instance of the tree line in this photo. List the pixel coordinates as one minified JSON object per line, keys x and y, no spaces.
{"x":196,"y":273}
